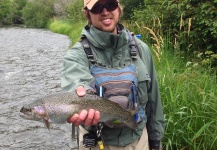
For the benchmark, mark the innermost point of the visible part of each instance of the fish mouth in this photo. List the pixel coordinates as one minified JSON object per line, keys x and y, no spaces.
{"x":25,"y":113}
{"x":26,"y":116}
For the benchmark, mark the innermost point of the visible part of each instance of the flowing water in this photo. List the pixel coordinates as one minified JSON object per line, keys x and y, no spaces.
{"x":30,"y":66}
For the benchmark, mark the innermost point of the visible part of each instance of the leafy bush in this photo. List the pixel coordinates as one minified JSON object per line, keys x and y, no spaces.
{"x":129,"y":6}
{"x":18,"y":6}
{"x":36,"y":13}
{"x":193,"y":24}
{"x":74,"y":11}
{"x":5,"y":12}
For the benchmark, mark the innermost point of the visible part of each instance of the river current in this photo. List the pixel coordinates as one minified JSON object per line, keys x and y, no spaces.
{"x":30,"y":66}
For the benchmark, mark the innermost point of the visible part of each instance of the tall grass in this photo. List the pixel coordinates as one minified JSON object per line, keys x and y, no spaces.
{"x":188,"y":91}
{"x":189,"y":100}
{"x":189,"y":97}
{"x":73,"y":30}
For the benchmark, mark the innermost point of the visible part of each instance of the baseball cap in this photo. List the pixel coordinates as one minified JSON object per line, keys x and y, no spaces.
{"x":90,"y":3}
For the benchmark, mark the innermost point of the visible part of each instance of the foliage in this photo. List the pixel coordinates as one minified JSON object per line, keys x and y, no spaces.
{"x":18,"y":6}
{"x":74,"y":11}
{"x":36,"y":13}
{"x":188,"y":96}
{"x":192,"y":23}
{"x":146,"y":13}
{"x":72,"y":30}
{"x":11,"y":11}
{"x":5,"y":12}
{"x":210,"y":59}
{"x":129,"y":6}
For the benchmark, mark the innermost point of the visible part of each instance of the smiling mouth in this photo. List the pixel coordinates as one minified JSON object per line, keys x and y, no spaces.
{"x":106,"y":21}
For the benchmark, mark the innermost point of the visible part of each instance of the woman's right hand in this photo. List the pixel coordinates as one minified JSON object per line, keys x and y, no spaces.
{"x":90,"y":117}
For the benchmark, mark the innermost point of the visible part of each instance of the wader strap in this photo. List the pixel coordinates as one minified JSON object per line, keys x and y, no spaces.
{"x":137,"y":45}
{"x":134,"y":49}
{"x":73,"y":134}
{"x":87,"y":49}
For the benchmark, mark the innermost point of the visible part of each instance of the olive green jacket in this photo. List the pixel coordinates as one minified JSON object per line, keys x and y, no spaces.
{"x":113,"y":51}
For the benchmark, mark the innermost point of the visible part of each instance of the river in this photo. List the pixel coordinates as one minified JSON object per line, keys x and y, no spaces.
{"x":30,"y":66}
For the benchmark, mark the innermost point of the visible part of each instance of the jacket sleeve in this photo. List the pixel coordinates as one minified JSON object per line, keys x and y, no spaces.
{"x":154,"y":111}
{"x":75,"y":70}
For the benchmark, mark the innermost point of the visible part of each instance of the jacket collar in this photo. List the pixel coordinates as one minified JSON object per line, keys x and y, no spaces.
{"x":104,"y":40}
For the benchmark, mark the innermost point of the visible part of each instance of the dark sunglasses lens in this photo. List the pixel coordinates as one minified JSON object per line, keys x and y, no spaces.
{"x":112,"y":6}
{"x":99,"y":8}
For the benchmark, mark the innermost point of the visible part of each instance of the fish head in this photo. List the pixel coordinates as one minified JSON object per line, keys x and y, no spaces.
{"x":36,"y":113}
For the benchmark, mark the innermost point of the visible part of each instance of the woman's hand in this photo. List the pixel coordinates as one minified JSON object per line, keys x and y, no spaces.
{"x":90,"y":117}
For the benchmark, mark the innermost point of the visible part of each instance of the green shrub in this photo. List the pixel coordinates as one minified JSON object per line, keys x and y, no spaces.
{"x":36,"y":13}
{"x":18,"y":6}
{"x":6,"y":12}
{"x":192,"y":23}
{"x":129,"y":6}
{"x":74,"y":11}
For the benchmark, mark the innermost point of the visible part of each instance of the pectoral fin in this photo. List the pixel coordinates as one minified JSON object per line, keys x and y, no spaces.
{"x":46,"y":121}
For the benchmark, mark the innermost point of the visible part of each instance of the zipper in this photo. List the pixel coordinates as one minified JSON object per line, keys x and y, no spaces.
{"x":114,"y":74}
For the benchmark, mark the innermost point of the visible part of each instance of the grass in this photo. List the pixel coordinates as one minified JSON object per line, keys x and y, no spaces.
{"x":188,"y":91}
{"x":72,"y":30}
{"x":188,"y":97}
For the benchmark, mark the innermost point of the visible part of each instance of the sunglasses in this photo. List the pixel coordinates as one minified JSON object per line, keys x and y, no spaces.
{"x":98,"y":8}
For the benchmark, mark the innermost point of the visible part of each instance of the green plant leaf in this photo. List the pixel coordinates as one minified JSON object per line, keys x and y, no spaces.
{"x":201,"y":130}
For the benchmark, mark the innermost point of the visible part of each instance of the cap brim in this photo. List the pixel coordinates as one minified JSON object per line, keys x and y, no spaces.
{"x":91,"y":4}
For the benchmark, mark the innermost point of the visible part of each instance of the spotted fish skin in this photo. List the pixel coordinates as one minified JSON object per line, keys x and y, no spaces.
{"x":57,"y":108}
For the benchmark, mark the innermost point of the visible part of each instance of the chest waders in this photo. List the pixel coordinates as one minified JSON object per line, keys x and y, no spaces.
{"x":117,"y":85}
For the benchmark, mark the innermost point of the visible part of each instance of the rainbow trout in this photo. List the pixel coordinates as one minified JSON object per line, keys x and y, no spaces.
{"x":59,"y":107}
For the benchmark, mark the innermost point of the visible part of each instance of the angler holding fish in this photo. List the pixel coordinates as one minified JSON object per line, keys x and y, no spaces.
{"x":117,"y":66}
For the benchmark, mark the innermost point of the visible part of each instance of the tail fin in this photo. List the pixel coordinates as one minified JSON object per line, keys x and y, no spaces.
{"x":131,"y":122}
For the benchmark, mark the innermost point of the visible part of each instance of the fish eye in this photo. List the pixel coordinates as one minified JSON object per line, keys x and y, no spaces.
{"x":23,"y":109}
{"x":28,"y":109}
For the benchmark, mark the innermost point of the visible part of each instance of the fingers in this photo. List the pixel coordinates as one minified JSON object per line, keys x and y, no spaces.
{"x":77,"y":119}
{"x":82,"y":117}
{"x":73,"y":118}
{"x":96,"y":118}
{"x":92,"y":118}
{"x":81,"y":91}
{"x":89,"y":118}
